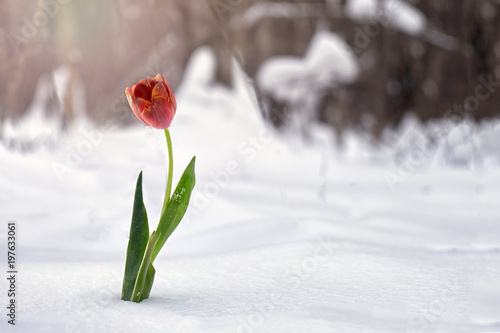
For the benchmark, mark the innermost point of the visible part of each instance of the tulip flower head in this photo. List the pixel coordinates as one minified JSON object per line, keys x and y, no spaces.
{"x":153,"y":101}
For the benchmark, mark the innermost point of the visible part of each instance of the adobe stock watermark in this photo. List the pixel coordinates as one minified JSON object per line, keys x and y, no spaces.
{"x":249,"y":150}
{"x":74,"y":156}
{"x":290,"y":281}
{"x":90,"y":139}
{"x":436,"y":308}
{"x":31,"y":27}
{"x":423,"y":150}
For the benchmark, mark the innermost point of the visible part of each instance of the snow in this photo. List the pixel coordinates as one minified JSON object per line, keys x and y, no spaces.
{"x":282,"y":235}
{"x":394,"y":13}
{"x":442,"y":40}
{"x":328,"y":62}
{"x":258,"y":11}
{"x":361,"y":9}
{"x":398,"y":14}
{"x":36,"y":127}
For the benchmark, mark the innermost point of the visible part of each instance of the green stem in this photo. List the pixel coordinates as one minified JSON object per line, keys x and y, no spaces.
{"x":170,"y":171}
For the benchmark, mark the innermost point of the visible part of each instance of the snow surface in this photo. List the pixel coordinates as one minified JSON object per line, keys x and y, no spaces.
{"x":282,"y":235}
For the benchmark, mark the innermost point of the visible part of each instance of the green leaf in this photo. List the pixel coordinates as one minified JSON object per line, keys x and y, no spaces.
{"x":138,"y":240}
{"x":150,"y":276}
{"x":145,"y":278}
{"x":176,"y":207}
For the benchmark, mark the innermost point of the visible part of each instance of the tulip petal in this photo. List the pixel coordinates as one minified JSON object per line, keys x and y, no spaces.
{"x":153,"y":101}
{"x":163,"y":89}
{"x":159,"y":90}
{"x":159,"y":115}
{"x":138,"y":106}
{"x":168,"y":89}
{"x":142,"y":91}
{"x":151,"y":81}
{"x":131,"y":100}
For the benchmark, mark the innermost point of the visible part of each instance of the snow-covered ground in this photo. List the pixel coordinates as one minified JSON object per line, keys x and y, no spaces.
{"x":283,"y":234}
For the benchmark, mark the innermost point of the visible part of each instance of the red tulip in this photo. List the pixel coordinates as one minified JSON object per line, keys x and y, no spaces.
{"x":153,"y":101}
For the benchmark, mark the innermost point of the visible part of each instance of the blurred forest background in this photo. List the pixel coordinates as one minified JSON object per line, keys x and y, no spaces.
{"x":435,"y":58}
